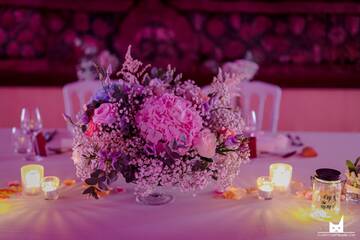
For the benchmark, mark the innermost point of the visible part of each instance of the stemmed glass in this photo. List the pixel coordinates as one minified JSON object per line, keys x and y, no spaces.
{"x":251,"y":130}
{"x":251,"y":123}
{"x":31,"y":124}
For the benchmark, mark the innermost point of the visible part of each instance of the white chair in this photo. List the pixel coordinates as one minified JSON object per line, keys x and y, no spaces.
{"x":81,"y":91}
{"x":247,"y":90}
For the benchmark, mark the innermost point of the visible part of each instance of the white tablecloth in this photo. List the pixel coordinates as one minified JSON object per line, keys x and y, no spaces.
{"x":118,"y":216}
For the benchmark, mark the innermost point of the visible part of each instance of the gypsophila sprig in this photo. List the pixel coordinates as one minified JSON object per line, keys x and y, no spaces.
{"x":154,"y":129}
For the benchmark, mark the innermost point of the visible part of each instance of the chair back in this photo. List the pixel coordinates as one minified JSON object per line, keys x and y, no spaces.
{"x":247,"y":90}
{"x":77,"y":94}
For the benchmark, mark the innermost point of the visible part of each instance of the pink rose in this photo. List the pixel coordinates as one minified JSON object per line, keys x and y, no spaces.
{"x":105,"y":114}
{"x":205,"y":143}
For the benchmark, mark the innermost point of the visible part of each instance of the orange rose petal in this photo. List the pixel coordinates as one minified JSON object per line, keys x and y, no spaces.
{"x":234,"y":193}
{"x":251,"y":190}
{"x":69,"y":182}
{"x":308,"y":195}
{"x":229,"y":195}
{"x":7,"y":191}
{"x":16,"y":189}
{"x":2,"y":196}
{"x":103,"y":193}
{"x":308,"y":152}
{"x":300,"y":194}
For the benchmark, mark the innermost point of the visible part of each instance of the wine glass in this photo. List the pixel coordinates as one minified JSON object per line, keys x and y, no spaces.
{"x":251,"y":131}
{"x":251,"y":123}
{"x":31,"y":124}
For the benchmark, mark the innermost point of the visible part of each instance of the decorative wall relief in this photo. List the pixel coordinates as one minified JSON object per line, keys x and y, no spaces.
{"x":296,"y":44}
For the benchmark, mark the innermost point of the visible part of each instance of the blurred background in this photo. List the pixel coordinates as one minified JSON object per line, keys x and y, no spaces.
{"x":311,"y":49}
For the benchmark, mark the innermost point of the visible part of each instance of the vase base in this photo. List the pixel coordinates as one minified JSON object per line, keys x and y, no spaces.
{"x":155,"y":199}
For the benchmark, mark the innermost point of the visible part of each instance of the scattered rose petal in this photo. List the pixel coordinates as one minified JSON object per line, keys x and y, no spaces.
{"x":251,"y":190}
{"x":69,"y":182}
{"x":103,"y":193}
{"x":308,"y":152}
{"x":14,"y":183}
{"x":234,"y":193}
{"x":119,"y":189}
{"x":308,"y":195}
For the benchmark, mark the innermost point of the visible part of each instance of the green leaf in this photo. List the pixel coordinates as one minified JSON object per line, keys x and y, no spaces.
{"x":206,"y":159}
{"x":89,"y":190}
{"x":112,"y":177}
{"x":91,"y":181}
{"x":351,"y":166}
{"x":357,"y":161}
{"x":96,"y":173}
{"x":103,"y":186}
{"x":221,"y":153}
{"x":94,"y":194}
{"x":102,"y":179}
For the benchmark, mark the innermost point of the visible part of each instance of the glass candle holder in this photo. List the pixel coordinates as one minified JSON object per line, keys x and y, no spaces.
{"x":31,"y":178}
{"x":281,"y":174}
{"x":265,"y":188}
{"x":50,"y":187}
{"x":326,"y":195}
{"x":20,"y":141}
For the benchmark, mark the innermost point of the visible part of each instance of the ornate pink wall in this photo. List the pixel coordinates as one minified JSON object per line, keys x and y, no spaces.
{"x":296,"y":43}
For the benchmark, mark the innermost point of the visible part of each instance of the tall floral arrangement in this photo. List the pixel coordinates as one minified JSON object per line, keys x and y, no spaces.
{"x":156,"y":130}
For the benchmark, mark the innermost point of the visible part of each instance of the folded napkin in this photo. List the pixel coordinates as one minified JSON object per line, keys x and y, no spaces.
{"x":273,"y":143}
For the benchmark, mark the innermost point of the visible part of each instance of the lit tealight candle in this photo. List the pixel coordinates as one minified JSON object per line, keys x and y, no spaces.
{"x":31,"y":177}
{"x":280,"y":174}
{"x":50,"y":187}
{"x":265,"y":188}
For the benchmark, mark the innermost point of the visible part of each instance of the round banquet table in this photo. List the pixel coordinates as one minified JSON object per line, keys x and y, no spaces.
{"x":118,"y":216}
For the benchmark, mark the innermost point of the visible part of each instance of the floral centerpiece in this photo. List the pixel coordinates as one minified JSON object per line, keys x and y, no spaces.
{"x":156,"y":130}
{"x":352,"y":185}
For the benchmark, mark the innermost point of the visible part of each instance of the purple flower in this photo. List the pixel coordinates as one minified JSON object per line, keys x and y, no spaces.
{"x":101,"y":96}
{"x":110,"y":157}
{"x":150,"y":149}
{"x":231,"y":141}
{"x":104,"y":93}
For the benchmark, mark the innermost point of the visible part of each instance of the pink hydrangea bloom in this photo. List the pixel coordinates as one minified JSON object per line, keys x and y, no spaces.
{"x":105,"y":114}
{"x":169,"y":118}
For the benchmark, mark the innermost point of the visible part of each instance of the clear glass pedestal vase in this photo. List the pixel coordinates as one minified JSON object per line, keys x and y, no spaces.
{"x":154,"y":198}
